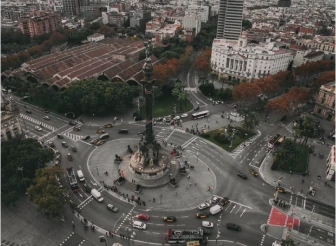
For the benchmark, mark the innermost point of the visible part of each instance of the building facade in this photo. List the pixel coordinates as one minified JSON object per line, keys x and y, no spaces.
{"x":39,"y":23}
{"x":230,"y":17}
{"x":236,"y":59}
{"x":325,"y":102}
{"x":202,"y":11}
{"x":10,"y":123}
{"x":192,"y":21}
{"x":331,"y":164}
{"x":113,"y":18}
{"x":95,"y":37}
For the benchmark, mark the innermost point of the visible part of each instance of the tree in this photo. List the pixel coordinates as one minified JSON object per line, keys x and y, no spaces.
{"x":57,"y":38}
{"x":202,"y":61}
{"x":324,"y":78}
{"x":94,"y":26}
{"x":279,"y":105}
{"x":20,"y":158}
{"x":246,"y":24}
{"x":179,"y":93}
{"x":268,"y":85}
{"x":46,"y":193}
{"x":246,"y":92}
{"x":223,"y":80}
{"x":251,"y":119}
{"x":170,"y":55}
{"x":107,"y":31}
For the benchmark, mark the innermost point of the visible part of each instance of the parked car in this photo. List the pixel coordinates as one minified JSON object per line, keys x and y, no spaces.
{"x":108,"y":126}
{"x":28,"y":111}
{"x":204,"y":206}
{"x":169,"y":219}
{"x":94,"y":141}
{"x":254,"y":173}
{"x":76,"y":128}
{"x":123,"y":131}
{"x":101,"y":142}
{"x":243,"y":176}
{"x":72,"y":123}
{"x":46,"y":117}
{"x":143,"y":217}
{"x":100,"y":131}
{"x":64,"y":144}
{"x":51,"y":144}
{"x":112,"y":208}
{"x":215,"y":199}
{"x":69,"y":156}
{"x":232,"y":226}
{"x":59,"y":136}
{"x":37,"y":128}
{"x":207,"y":224}
{"x":224,"y":201}
{"x":184,"y":115}
{"x":201,"y":215}
{"x":73,"y":148}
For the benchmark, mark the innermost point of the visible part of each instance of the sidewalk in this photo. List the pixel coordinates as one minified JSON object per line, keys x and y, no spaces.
{"x":323,"y":194}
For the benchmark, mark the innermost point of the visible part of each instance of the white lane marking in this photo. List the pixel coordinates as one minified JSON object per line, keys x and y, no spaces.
{"x":238,"y":209}
{"x":189,"y":142}
{"x":232,"y":209}
{"x":243,"y":212}
{"x":93,"y":183}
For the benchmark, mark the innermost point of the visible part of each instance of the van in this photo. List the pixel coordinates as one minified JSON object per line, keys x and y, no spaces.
{"x":80,"y":175}
{"x":123,"y":131}
{"x":139,"y":225}
{"x":105,"y":135}
{"x":96,"y":194}
{"x":216,"y":209}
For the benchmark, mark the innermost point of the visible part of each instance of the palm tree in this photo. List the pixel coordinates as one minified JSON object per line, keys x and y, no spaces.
{"x":308,"y":125}
{"x":223,"y":80}
{"x":281,"y":157}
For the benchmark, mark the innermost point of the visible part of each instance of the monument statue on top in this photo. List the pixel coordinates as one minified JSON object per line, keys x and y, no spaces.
{"x":148,"y":146}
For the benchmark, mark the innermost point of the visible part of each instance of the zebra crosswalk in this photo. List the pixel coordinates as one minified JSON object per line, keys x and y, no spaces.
{"x":37,"y":122}
{"x":74,"y":137}
{"x":242,"y":146}
{"x":288,"y":127}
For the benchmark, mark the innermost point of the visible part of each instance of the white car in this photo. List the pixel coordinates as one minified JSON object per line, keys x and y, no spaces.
{"x":204,"y":206}
{"x":215,"y":199}
{"x":207,"y":224}
{"x":139,"y":225}
{"x":46,"y":117}
{"x":184,"y":115}
{"x":234,"y":114}
{"x":37,"y":128}
{"x":177,"y":117}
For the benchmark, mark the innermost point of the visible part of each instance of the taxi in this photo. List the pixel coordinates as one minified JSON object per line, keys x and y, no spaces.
{"x":100,"y":131}
{"x":254,"y":173}
{"x":108,"y":126}
{"x":201,"y":215}
{"x":280,"y":189}
{"x":169,"y":219}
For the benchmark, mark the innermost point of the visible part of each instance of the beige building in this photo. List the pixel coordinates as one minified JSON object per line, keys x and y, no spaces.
{"x":331,"y":164}
{"x":325,"y":102}
{"x":10,"y":124}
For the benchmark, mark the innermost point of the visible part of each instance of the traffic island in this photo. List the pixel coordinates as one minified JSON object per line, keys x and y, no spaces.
{"x":228,"y":137}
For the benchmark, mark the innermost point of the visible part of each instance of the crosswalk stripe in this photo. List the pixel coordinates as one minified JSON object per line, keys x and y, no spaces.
{"x":37,"y":122}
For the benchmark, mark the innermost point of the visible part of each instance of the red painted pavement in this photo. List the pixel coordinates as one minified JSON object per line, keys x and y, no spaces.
{"x":279,"y":218}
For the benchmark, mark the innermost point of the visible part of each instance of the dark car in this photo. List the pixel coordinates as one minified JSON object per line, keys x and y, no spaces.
{"x":28,"y":111}
{"x":243,"y":176}
{"x":196,"y":108}
{"x":87,"y":137}
{"x":169,"y":219}
{"x":64,"y":144}
{"x":123,"y":131}
{"x":73,"y":148}
{"x":51,"y":144}
{"x":60,"y":136}
{"x":73,"y":123}
{"x":76,"y":128}
{"x":205,"y":231}
{"x":224,"y":201}
{"x":232,"y":226}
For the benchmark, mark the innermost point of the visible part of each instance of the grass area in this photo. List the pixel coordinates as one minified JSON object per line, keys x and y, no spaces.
{"x":299,"y":165}
{"x":237,"y":140}
{"x":164,"y":106}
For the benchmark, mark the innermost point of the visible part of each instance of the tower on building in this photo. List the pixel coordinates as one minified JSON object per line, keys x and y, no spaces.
{"x":230,"y":17}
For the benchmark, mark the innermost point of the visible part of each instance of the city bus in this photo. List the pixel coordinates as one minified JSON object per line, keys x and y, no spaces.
{"x":201,"y":114}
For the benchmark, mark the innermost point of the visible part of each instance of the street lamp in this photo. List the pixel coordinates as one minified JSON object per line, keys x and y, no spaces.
{"x":233,"y":133}
{"x":102,"y":239}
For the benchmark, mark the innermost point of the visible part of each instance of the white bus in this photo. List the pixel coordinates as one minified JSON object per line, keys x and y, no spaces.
{"x":200,"y":114}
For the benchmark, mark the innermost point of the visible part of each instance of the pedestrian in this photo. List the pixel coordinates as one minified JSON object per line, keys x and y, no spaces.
{"x":216,"y":121}
{"x":208,"y":127}
{"x":120,"y":235}
{"x":302,"y":191}
{"x":153,"y":199}
{"x":188,"y":176}
{"x":326,"y":183}
{"x":303,"y":181}
{"x":208,"y":169}
{"x":107,"y":234}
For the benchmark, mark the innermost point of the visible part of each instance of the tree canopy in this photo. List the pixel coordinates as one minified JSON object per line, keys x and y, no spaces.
{"x":246,"y":92}
{"x":20,"y":158}
{"x":202,"y":61}
{"x":46,"y":193}
{"x":93,"y":96}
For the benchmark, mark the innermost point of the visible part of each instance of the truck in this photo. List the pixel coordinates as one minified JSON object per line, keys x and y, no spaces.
{"x":96,"y":194}
{"x":183,"y":236}
{"x":72,"y":179}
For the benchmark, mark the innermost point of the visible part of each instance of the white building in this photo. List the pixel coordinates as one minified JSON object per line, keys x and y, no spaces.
{"x":236,"y":59}
{"x":192,"y":21}
{"x":203,"y":11}
{"x":95,"y":37}
{"x":331,"y":164}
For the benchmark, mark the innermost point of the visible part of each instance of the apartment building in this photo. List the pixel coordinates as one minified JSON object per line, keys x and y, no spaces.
{"x":325,"y":102}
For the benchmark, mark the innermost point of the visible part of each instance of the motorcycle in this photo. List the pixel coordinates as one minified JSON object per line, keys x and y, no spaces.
{"x":312,"y":190}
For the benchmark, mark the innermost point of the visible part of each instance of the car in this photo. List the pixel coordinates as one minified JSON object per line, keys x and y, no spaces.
{"x":160,"y":119}
{"x":280,"y":189}
{"x":143,"y":217}
{"x":72,"y":123}
{"x":112,"y":208}
{"x":46,"y":117}
{"x":254,"y":173}
{"x":184,"y":115}
{"x":201,"y":215}
{"x":51,"y":144}
{"x":196,"y":108}
{"x":64,"y":144}
{"x":232,"y":226}
{"x":224,"y":201}
{"x":169,"y":219}
{"x":177,"y":117}
{"x":86,"y":137}
{"x":59,"y":136}
{"x":101,"y":142}
{"x":76,"y":128}
{"x":94,"y":141}
{"x":69,"y":156}
{"x":46,"y":111}
{"x":123,"y":131}
{"x":234,"y":114}
{"x":37,"y":128}
{"x":243,"y":176}
{"x":142,"y":133}
{"x":139,"y":225}
{"x":207,"y":224}
{"x":108,"y":126}
{"x":100,"y":131}
{"x":73,"y":148}
{"x":215,"y":199}
{"x":28,"y":111}
{"x":204,"y":206}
